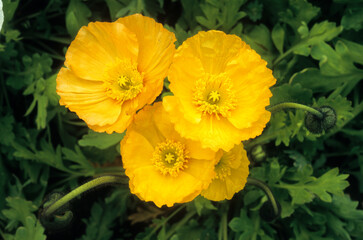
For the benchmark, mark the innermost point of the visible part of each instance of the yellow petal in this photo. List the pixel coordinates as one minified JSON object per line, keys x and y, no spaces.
{"x":225,"y":188}
{"x":91,"y":107}
{"x":70,"y":83}
{"x":213,"y":48}
{"x":97,"y":46}
{"x":133,"y":159}
{"x":212,"y":132}
{"x":119,"y":126}
{"x":163,"y":190}
{"x":156,"y":46}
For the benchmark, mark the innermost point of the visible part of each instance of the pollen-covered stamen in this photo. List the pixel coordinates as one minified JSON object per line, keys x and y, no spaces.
{"x":214,"y":95}
{"x":170,"y":157}
{"x":123,"y":81}
{"x":225,"y":165}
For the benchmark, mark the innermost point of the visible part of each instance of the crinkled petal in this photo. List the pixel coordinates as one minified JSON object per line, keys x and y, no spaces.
{"x":183,"y":74}
{"x":163,"y":190}
{"x":98,"y":46}
{"x":221,"y":189}
{"x":212,"y":132}
{"x":87,"y":99}
{"x":213,"y":48}
{"x":68,"y":82}
{"x":132,"y":154}
{"x":119,"y":126}
{"x":156,"y":46}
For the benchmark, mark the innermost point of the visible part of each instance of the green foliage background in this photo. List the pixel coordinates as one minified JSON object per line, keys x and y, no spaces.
{"x":315,"y":49}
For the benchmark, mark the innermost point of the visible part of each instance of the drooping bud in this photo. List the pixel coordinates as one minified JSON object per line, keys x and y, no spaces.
{"x":317,"y":125}
{"x":60,"y":219}
{"x":268,"y":212}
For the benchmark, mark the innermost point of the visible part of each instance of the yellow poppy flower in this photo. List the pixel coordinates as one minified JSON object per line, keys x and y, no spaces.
{"x":221,"y":89}
{"x":114,"y":69}
{"x":231,"y":174}
{"x":162,"y":166}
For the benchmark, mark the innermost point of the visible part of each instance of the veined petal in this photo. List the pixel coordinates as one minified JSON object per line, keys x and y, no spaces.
{"x":148,"y":183}
{"x":97,"y":46}
{"x":191,"y":113}
{"x":249,"y":110}
{"x":220,"y":97}
{"x":231,"y":175}
{"x":132,"y":151}
{"x":156,"y":46}
{"x":68,"y":82}
{"x":215,"y":133}
{"x":119,"y":126}
{"x":164,"y":172}
{"x":213,"y":48}
{"x":104,"y":58}
{"x":91,"y":107}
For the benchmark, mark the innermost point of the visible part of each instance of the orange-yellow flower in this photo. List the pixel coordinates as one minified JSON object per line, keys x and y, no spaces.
{"x":231,"y":174}
{"x":162,"y":166}
{"x":221,"y":89}
{"x":114,"y":69}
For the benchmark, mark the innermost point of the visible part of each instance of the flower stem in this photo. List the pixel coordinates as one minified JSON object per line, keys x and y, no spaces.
{"x":165,"y":221}
{"x":281,"y":106}
{"x":267,"y":190}
{"x":81,"y":189}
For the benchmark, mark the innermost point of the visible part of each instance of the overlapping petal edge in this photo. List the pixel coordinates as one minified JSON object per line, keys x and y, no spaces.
{"x":150,"y":130}
{"x":231,"y":175}
{"x":100,"y":53}
{"x":225,"y":62}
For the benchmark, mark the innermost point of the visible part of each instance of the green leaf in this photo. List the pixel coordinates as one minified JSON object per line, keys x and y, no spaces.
{"x":80,"y":162}
{"x":313,"y":79}
{"x":337,"y":69}
{"x":7,"y":135}
{"x":202,"y":203}
{"x":32,"y":229}
{"x":299,"y":11}
{"x":353,"y":17}
{"x":254,"y":10}
{"x":77,"y":15}
{"x":333,"y":62}
{"x":12,"y":35}
{"x":9,"y":9}
{"x":113,"y":6}
{"x":222,"y":15}
{"x":275,"y":171}
{"x":242,"y":224}
{"x":259,"y":38}
{"x":104,"y":216}
{"x":320,"y":32}
{"x":291,"y":93}
{"x":344,"y":207}
{"x":330,"y":182}
{"x":131,"y":7}
{"x":18,"y":211}
{"x":100,"y":140}
{"x":285,"y":126}
{"x":278,"y":37}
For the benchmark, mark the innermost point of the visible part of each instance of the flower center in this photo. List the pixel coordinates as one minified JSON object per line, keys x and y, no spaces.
{"x":170,"y":157}
{"x":213,"y":94}
{"x":123,"y":80}
{"x":214,"y":97}
{"x":225,"y":165}
{"x":223,"y":168}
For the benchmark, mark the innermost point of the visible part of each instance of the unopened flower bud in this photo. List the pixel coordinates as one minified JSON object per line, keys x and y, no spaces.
{"x":317,"y":125}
